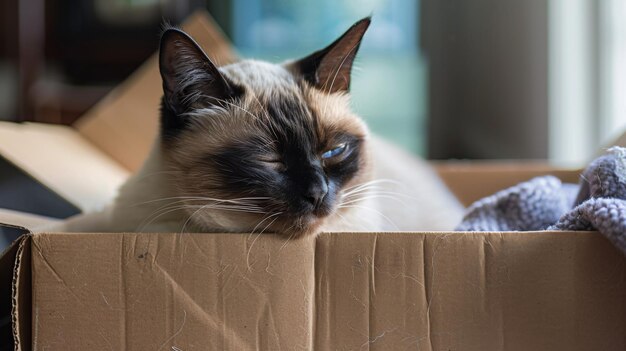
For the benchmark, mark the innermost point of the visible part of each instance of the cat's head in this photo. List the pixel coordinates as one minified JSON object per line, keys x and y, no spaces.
{"x":254,"y":146}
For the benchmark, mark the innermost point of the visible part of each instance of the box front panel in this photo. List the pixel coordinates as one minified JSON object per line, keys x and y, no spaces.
{"x":385,"y":291}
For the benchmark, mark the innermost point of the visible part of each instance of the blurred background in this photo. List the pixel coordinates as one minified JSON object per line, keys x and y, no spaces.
{"x":480,"y":79}
{"x":445,"y":79}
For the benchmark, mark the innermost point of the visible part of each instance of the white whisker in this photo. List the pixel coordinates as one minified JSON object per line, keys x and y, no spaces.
{"x":257,"y":236}
{"x":371,"y":209}
{"x":357,"y":200}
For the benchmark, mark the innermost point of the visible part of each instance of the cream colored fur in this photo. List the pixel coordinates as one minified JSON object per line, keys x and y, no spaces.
{"x":420,"y":201}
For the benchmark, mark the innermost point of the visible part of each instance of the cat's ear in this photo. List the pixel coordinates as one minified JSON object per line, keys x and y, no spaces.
{"x":329,"y":69}
{"x":189,"y":76}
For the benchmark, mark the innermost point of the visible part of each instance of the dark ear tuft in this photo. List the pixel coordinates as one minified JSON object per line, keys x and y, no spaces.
{"x":329,"y":69}
{"x":190,"y":79}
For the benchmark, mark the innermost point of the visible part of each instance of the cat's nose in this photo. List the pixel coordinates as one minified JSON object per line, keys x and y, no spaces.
{"x":316,"y":192}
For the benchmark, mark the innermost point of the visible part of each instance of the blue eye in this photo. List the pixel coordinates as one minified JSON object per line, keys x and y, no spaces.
{"x":334,"y":152}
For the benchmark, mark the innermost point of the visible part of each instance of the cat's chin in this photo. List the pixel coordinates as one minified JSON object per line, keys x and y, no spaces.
{"x":306,"y":231}
{"x":288,"y":228}
{"x":301,"y":227}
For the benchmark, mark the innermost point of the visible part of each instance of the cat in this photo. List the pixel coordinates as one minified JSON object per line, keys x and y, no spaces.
{"x":260,"y":147}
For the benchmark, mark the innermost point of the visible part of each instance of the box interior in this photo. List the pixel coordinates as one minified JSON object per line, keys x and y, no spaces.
{"x":471,"y":181}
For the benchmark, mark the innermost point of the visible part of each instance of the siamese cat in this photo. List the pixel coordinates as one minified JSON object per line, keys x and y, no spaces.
{"x":260,"y":147}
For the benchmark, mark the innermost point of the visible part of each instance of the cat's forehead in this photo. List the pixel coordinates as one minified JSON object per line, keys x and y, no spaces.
{"x":260,"y":77}
{"x":293,"y":107}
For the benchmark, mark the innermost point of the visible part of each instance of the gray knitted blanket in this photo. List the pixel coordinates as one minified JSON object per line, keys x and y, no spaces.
{"x":544,"y":203}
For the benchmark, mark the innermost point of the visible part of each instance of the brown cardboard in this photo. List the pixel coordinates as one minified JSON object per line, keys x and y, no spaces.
{"x":471,"y":181}
{"x":26,"y":221}
{"x":62,"y":160}
{"x":388,"y":291}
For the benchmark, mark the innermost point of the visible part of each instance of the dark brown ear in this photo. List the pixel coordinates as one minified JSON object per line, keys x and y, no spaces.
{"x":189,"y":76}
{"x":329,"y":69}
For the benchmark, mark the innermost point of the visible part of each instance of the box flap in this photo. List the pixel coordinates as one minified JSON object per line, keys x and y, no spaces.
{"x":471,"y":181}
{"x":62,"y":160}
{"x":392,"y":291}
{"x":125,"y":123}
{"x":26,"y":221}
{"x":20,"y":191}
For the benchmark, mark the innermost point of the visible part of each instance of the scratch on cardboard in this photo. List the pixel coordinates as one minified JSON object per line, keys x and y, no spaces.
{"x":180,"y":293}
{"x":56,"y":274}
{"x":180,"y":329}
{"x":269,"y":261}
{"x":60,"y":279}
{"x":352,"y":293}
{"x":105,"y":340}
{"x":428,"y":286}
{"x":105,"y":299}
{"x":377,"y":337}
{"x":200,"y":249}
{"x":373,"y":266}
{"x":267,"y":308}
{"x":36,"y":326}
{"x":106,"y":302}
{"x":226,"y":282}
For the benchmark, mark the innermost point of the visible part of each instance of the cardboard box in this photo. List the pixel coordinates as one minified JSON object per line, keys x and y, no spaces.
{"x":385,"y":291}
{"x":344,"y":291}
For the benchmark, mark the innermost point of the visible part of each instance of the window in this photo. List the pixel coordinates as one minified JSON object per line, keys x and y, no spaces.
{"x":587,"y":77}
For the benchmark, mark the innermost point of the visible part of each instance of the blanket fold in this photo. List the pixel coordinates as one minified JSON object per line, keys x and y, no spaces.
{"x":544,"y":203}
